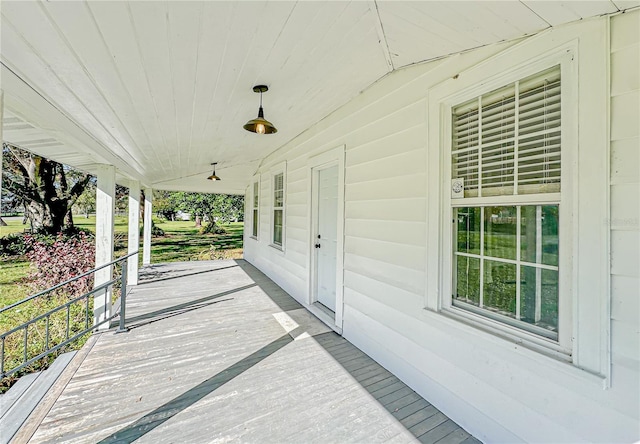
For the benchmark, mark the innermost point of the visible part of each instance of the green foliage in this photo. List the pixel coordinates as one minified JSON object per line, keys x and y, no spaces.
{"x":52,"y":260}
{"x":16,"y":244}
{"x":155,"y":230}
{"x":13,"y":245}
{"x":65,"y":258}
{"x":219,"y":208}
{"x":211,"y":228}
{"x":86,"y":203}
{"x":163,"y":205}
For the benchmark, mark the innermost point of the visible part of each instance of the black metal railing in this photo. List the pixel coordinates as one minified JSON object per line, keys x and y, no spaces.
{"x":71,"y":333}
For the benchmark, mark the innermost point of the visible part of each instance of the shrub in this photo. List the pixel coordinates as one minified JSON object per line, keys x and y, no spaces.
{"x":155,"y":230}
{"x":54,"y":260}
{"x":212,"y":228}
{"x":13,"y":245}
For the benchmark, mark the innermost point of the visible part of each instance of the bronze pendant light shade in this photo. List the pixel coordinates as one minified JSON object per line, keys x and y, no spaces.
{"x":260,"y":125}
{"x":213,"y":175}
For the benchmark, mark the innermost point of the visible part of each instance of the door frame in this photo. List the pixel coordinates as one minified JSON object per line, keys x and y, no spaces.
{"x":329,"y":158}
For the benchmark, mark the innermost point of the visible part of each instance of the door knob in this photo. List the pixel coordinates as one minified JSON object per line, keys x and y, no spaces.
{"x":317,"y":245}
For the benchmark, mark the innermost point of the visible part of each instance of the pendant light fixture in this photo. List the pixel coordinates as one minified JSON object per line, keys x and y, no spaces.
{"x":213,"y":175}
{"x":260,"y":125}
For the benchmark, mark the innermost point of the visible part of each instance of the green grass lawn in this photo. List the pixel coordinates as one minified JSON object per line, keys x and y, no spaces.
{"x":182,"y":241}
{"x":12,"y":276}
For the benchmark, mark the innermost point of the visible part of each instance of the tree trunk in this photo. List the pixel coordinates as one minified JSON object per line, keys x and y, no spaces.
{"x":42,"y":186}
{"x":69,"y":218}
{"x":198,"y":221}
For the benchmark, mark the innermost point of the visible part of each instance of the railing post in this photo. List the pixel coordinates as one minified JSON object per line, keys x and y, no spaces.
{"x":123,"y":296}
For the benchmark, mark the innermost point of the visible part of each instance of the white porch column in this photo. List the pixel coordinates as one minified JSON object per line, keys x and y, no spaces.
{"x":134,"y":231}
{"x":148,"y":214}
{"x":105,"y":205}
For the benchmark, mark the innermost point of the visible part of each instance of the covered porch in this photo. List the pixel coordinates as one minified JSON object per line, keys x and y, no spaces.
{"x":218,"y":352}
{"x":365,"y":95}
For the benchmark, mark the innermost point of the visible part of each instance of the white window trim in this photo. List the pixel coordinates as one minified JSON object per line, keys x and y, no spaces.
{"x":254,"y":180}
{"x":584,"y":190}
{"x":280,"y":168}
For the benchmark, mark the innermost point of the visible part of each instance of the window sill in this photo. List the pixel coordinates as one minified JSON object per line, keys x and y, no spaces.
{"x":254,"y":238}
{"x":277,"y":247}
{"x":524,"y":347}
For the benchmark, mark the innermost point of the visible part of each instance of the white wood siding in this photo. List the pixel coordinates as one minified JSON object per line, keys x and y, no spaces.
{"x":497,"y":390}
{"x":625,"y":202}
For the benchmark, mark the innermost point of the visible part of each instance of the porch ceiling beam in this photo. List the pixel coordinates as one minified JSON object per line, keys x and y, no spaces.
{"x":23,"y":100}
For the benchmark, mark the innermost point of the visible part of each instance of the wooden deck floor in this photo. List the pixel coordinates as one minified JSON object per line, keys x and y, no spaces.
{"x":216,"y":353}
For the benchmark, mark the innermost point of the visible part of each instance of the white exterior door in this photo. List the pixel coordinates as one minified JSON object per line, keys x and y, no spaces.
{"x":326,"y":237}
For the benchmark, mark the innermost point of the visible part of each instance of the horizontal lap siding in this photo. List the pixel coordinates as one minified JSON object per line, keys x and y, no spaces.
{"x":625,"y":205}
{"x":385,"y":192}
{"x":476,"y":378}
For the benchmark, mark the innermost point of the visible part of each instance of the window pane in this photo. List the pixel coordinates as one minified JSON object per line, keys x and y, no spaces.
{"x":467,"y":288}
{"x":487,"y":137}
{"x":278,"y":181}
{"x":255,"y":195}
{"x":539,"y":297}
{"x":277,"y":227}
{"x":277,"y":198}
{"x":549,"y":309}
{"x":539,"y":234}
{"x":500,"y":225}
{"x":550,"y":234}
{"x":255,"y":223}
{"x":464,"y":151}
{"x":468,"y":224}
{"x":499,"y":292}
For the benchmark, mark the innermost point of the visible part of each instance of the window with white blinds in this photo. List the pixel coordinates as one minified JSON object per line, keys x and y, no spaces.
{"x":505,"y":257}
{"x":508,"y":141}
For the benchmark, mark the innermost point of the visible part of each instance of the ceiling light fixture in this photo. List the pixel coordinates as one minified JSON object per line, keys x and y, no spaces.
{"x":213,"y":175}
{"x":260,"y":125}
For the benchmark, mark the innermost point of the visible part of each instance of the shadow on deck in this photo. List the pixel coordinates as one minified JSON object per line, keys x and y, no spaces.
{"x":218,"y":352}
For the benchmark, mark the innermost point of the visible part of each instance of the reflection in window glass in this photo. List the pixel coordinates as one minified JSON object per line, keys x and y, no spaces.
{"x":520,"y":284}
{"x":539,"y":234}
{"x":500,"y":225}
{"x":500,"y":287}
{"x":468,"y":280}
{"x":550,"y":234}
{"x":277,"y":227}
{"x":539,"y":297}
{"x":468,"y":222}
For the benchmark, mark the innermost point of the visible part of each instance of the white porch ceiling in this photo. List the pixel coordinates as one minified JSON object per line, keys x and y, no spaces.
{"x":162,"y":89}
